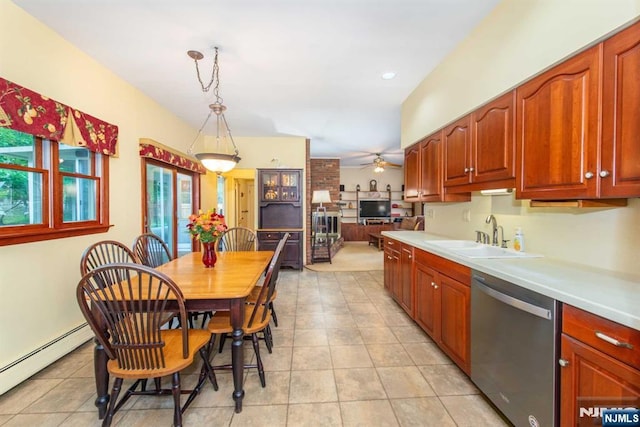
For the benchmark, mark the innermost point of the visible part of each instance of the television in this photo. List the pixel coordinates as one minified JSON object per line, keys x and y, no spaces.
{"x":374,"y":209}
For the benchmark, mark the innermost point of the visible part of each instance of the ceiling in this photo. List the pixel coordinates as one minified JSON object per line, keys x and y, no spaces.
{"x":309,"y":68}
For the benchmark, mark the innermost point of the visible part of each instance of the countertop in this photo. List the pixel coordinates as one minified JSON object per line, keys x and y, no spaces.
{"x":609,"y":294}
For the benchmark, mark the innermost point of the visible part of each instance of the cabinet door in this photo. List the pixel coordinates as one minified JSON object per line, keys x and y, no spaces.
{"x":493,"y":143}
{"x":457,"y":152}
{"x":557,"y":130}
{"x":269,"y":186}
{"x":455,"y":298}
{"x":427,"y":311}
{"x":412,"y":173}
{"x":589,"y":380}
{"x":290,"y":186}
{"x":620,"y":167}
{"x":392,"y":271}
{"x":406,"y":279}
{"x":431,"y":161}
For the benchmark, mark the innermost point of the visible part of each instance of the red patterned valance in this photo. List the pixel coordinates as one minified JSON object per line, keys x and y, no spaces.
{"x":157,"y":151}
{"x":26,"y":111}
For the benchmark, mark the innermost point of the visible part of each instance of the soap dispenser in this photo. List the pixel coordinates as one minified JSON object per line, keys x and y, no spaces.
{"x":518,"y":240}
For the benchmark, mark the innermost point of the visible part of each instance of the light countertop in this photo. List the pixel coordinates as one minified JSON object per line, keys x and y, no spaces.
{"x":606,"y":293}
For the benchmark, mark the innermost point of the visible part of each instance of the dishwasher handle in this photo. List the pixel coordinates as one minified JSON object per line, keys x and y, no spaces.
{"x":515,"y":302}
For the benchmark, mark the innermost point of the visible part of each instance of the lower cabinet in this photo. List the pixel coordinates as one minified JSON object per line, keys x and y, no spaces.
{"x":398,"y":273}
{"x":599,"y":367}
{"x":441,"y":303}
{"x":292,"y":256}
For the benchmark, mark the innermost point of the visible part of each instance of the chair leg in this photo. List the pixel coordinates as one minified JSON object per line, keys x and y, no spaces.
{"x":223,"y":337}
{"x":256,"y":348}
{"x":206,"y":315}
{"x":273,"y":314}
{"x":115,"y":392}
{"x":207,"y":369}
{"x":268,"y":338}
{"x":175,"y":390}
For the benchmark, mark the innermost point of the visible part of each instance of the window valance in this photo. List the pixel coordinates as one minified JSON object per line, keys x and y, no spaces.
{"x":157,"y":151}
{"x":27,"y":111}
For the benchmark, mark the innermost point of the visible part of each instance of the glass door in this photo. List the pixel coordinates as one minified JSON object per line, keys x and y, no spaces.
{"x":170,"y":195}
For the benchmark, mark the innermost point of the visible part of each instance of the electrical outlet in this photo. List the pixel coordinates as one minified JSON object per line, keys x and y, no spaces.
{"x":430,"y":213}
{"x":466,"y":215}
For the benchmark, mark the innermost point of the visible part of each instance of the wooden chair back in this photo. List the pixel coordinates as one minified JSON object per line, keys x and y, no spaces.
{"x":260,"y":311}
{"x":237,"y":239}
{"x":105,"y":252}
{"x":126,"y":305}
{"x":151,"y":250}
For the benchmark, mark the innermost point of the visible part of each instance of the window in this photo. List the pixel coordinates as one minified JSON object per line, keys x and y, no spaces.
{"x":50,"y":190}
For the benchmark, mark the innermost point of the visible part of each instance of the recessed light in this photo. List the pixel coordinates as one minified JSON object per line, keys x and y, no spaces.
{"x":389,"y":75}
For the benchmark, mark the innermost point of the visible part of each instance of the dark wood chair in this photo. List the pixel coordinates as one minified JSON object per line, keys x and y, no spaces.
{"x":151,"y":250}
{"x":105,"y":252}
{"x":125,"y":305}
{"x":237,"y":239}
{"x":257,"y":316}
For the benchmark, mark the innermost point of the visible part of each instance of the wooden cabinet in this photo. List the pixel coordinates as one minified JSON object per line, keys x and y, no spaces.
{"x":279,"y":185}
{"x":557,"y":130}
{"x":423,"y":172}
{"x":292,"y":253}
{"x":398,"y":273}
{"x":442,"y":304}
{"x":479,"y":150}
{"x":619,"y":172}
{"x":599,"y":367}
{"x":352,"y":231}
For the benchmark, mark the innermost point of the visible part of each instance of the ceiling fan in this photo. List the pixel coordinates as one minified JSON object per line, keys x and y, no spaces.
{"x":379,"y":163}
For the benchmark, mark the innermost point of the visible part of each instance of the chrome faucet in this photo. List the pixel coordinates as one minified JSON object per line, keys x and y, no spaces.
{"x":494,"y":232}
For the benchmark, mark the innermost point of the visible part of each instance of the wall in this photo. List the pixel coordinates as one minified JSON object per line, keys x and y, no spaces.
{"x":38,"y":280}
{"x":516,"y":41}
{"x":325,"y":175}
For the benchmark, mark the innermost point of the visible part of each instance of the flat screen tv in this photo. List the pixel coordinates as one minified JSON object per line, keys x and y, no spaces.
{"x":374,"y":209}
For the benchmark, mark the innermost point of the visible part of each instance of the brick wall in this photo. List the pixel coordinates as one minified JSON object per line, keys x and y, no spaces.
{"x":325,"y":175}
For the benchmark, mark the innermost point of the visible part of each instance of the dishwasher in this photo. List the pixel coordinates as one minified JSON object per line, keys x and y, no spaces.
{"x":514,"y":350}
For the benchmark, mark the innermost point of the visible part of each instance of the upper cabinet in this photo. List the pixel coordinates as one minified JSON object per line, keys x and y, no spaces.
{"x":619,"y":172}
{"x":457,"y":153}
{"x":279,"y":185}
{"x":557,"y":130}
{"x":423,"y":172}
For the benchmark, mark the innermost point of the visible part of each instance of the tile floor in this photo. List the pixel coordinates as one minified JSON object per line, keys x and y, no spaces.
{"x":345,"y":355}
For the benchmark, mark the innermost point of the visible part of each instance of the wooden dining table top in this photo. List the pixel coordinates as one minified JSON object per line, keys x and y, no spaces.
{"x":234,"y":275}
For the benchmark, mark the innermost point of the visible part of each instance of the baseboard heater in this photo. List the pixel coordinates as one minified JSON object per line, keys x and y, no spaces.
{"x":24,"y":367}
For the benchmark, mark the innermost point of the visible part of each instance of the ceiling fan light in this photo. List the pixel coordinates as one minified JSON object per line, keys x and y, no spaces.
{"x":378,"y":169}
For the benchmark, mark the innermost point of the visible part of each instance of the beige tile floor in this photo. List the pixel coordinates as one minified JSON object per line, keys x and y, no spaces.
{"x":345,"y":355}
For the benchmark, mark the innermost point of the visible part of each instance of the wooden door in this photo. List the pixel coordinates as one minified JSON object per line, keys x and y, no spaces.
{"x":412,"y":187}
{"x":427,"y":311}
{"x":620,"y":160}
{"x":557,"y":130}
{"x":406,"y":278}
{"x":455,"y":299}
{"x":431,"y":161}
{"x":589,"y":380}
{"x":493,"y":143}
{"x":457,"y":153}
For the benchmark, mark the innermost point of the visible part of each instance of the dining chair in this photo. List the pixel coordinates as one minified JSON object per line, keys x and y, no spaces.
{"x":256,"y":317}
{"x":125,"y":305}
{"x":237,"y":239}
{"x":105,"y":252}
{"x":151,"y":250}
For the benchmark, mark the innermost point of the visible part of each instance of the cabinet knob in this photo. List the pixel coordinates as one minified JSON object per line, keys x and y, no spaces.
{"x":410,"y":256}
{"x":466,"y":170}
{"x":563,"y":362}
{"x":588,"y":175}
{"x":388,"y":257}
{"x":604,"y":174}
{"x":435,"y":286}
{"x":471,"y":169}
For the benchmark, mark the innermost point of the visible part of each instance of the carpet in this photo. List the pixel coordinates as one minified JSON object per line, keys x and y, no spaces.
{"x":354,"y":256}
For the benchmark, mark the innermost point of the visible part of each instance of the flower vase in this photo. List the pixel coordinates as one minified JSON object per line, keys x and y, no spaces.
{"x":209,"y":256}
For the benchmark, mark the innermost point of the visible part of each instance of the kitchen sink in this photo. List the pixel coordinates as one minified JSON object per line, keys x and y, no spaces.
{"x":484,"y":251}
{"x":455,"y":244}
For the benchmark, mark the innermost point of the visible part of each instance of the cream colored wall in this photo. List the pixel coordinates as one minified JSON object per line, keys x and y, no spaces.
{"x":518,"y":40}
{"x":38,"y":280}
{"x":351,"y":176}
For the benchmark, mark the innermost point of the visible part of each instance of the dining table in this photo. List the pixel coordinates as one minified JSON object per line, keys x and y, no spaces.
{"x":224,"y":287}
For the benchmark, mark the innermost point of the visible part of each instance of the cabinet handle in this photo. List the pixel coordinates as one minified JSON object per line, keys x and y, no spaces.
{"x":563,"y":362}
{"x":433,"y":284}
{"x":466,"y":170}
{"x":613,"y":341}
{"x":604,"y":174}
{"x":435,"y":287}
{"x":410,"y":256}
{"x":388,"y":257}
{"x":390,"y":243}
{"x":588,"y":175}
{"x":471,"y":169}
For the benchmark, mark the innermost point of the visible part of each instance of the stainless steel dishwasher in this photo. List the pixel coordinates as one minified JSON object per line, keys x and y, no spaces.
{"x":514,"y":350}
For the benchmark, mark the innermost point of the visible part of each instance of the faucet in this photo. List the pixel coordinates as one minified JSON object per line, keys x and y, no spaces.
{"x":494,"y":225}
